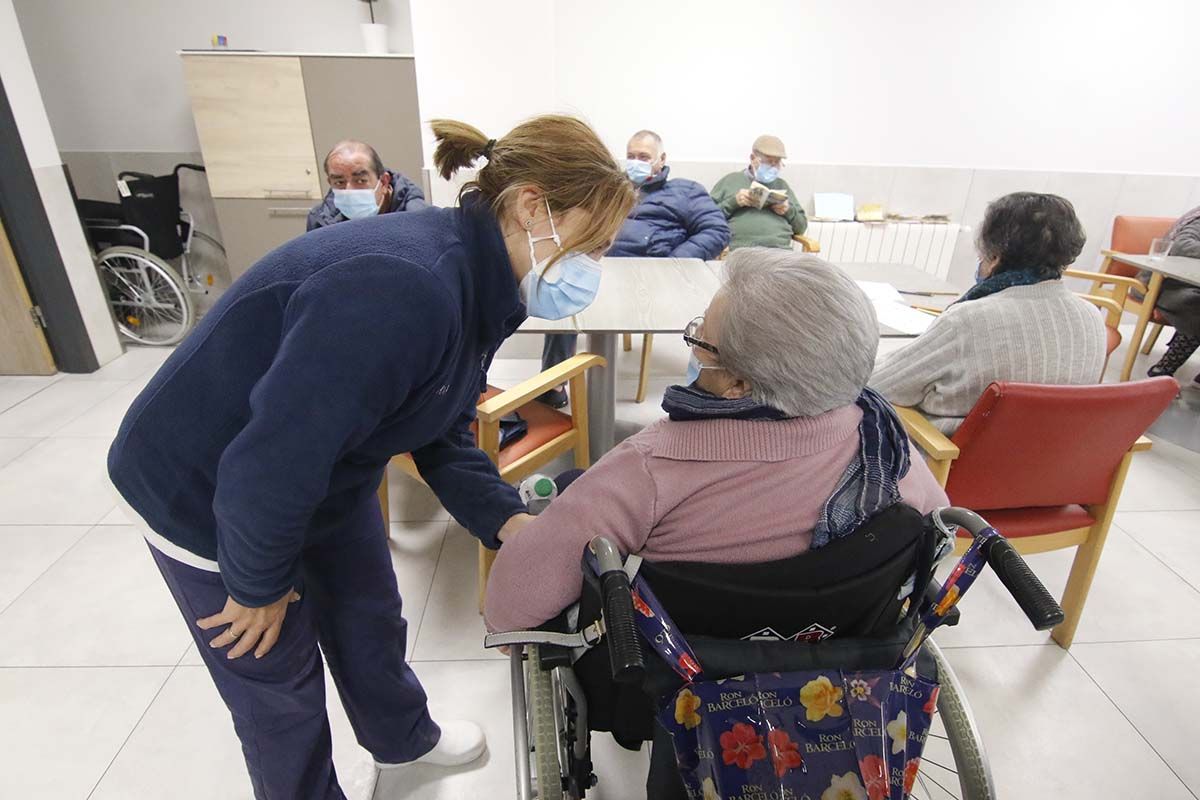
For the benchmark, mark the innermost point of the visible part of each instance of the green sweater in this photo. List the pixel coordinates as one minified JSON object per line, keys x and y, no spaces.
{"x":758,"y":227}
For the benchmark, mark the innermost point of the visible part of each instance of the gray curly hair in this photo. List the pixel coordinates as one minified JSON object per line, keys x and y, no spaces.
{"x":798,"y":329}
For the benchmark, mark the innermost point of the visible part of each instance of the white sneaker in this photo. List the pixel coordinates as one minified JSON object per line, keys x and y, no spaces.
{"x":461,"y":743}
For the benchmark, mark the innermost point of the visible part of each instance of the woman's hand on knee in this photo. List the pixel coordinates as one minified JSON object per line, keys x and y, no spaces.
{"x":248,"y":627}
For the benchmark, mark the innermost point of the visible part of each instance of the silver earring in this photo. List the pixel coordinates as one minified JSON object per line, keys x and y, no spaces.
{"x":528,"y":224}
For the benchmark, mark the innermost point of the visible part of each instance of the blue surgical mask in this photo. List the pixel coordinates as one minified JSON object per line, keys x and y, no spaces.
{"x":637,"y":170}
{"x":356,"y":203}
{"x":575,"y":287}
{"x":978,"y":271}
{"x":766,"y":173}
{"x":695,"y":368}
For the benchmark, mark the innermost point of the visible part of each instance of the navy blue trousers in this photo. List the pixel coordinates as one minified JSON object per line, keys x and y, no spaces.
{"x":557,"y":348}
{"x":350,"y":606}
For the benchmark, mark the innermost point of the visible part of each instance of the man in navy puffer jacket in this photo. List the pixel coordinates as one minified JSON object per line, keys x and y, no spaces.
{"x":673,"y":219}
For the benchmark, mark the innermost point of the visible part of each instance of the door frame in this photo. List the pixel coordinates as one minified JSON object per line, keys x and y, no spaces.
{"x":36,"y":250}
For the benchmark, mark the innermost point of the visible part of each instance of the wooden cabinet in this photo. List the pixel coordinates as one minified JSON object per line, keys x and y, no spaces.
{"x":252,"y":118}
{"x":252,"y":228}
{"x":266,"y":121}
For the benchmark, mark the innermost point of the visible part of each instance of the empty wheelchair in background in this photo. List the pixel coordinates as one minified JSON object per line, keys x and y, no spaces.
{"x":756,"y":618}
{"x":133,"y":241}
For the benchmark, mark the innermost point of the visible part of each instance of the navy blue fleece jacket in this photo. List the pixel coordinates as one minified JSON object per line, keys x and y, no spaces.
{"x":270,"y":426}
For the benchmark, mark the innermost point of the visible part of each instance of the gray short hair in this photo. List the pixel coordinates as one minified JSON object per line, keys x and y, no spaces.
{"x":798,"y":328}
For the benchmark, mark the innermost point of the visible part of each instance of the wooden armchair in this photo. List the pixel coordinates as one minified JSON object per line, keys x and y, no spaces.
{"x":551,"y":433}
{"x":1045,"y":465}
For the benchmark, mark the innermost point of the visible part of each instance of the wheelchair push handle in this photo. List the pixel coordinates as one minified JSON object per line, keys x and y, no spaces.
{"x":1039,"y":605}
{"x":624,"y":646}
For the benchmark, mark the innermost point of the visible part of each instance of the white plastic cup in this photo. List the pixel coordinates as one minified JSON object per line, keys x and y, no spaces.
{"x":375,"y":37}
{"x":1159,"y":248}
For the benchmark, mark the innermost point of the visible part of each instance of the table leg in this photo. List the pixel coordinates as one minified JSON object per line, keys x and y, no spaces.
{"x":602,"y":394}
{"x":1135,"y":341}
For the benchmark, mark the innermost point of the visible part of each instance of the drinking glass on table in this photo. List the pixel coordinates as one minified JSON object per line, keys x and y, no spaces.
{"x":1159,"y":248}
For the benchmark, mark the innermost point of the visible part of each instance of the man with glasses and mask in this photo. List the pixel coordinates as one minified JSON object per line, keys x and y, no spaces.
{"x":674,"y":218}
{"x":772,"y":224}
{"x":360,"y":186}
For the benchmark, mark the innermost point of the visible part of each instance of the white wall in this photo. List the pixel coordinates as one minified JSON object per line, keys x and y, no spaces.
{"x":1072,"y":85}
{"x":111,"y":78}
{"x":486,"y":62}
{"x":42,"y":153}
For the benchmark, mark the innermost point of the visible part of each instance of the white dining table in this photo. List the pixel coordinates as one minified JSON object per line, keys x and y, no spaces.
{"x":661,"y":295}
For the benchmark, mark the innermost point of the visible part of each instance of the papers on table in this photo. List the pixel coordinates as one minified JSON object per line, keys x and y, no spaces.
{"x":833,"y":206}
{"x":892,"y":311}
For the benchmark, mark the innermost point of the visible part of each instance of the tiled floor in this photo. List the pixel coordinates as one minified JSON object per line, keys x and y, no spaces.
{"x":103,"y":696}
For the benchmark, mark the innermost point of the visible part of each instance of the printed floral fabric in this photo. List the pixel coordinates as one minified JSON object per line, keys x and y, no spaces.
{"x":820,"y":699}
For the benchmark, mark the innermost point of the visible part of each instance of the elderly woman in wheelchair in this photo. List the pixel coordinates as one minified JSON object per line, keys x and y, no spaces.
{"x":779,"y":504}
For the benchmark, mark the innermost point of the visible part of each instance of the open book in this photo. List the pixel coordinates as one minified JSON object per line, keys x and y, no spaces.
{"x":761,"y":195}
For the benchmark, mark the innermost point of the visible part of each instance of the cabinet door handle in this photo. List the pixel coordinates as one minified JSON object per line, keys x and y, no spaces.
{"x":287,"y":212}
{"x":287,"y":194}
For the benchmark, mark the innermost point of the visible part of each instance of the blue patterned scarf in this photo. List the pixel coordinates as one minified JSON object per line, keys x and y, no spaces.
{"x":999,"y":281}
{"x":871,"y":481}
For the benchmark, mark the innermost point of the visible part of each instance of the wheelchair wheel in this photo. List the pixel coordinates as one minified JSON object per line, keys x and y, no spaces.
{"x":543,"y":723}
{"x":954,"y":764}
{"x":149,"y":300}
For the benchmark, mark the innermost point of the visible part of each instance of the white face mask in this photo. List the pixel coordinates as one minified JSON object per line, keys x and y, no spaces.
{"x":575,"y":288}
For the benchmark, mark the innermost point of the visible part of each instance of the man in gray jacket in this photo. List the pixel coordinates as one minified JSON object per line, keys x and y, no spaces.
{"x":360,"y":186}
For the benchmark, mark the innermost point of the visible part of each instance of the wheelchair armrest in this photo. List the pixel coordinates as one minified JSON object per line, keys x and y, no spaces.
{"x":555,"y":640}
{"x":931,"y":592}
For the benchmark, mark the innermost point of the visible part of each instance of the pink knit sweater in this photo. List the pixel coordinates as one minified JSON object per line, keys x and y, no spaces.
{"x":732,"y":491}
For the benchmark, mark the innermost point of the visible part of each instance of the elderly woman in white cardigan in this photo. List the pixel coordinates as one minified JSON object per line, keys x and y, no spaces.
{"x":1017,"y":323}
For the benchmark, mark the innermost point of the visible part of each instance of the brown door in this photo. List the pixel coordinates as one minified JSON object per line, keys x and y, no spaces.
{"x":23,"y":348}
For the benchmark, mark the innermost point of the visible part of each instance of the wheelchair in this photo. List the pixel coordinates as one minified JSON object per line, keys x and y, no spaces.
{"x":804,"y":613}
{"x":133,"y":241}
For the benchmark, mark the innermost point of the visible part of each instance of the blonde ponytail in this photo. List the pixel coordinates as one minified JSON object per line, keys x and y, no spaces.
{"x":559,"y":155}
{"x":459,"y":146}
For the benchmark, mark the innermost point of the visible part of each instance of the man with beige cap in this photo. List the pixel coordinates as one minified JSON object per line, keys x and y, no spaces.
{"x":754,"y":223}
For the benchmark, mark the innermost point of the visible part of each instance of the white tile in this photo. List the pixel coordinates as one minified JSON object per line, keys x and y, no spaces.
{"x":415,"y":549}
{"x":15,"y":388}
{"x":62,"y":727}
{"x":191,"y":658}
{"x":46,"y":412}
{"x":1155,"y":483}
{"x":452,"y":627}
{"x":11,"y":448}
{"x":57,"y":482}
{"x":104,"y":603}
{"x":929,"y":190}
{"x":115,"y":517}
{"x":103,"y":419}
{"x":477,"y":691}
{"x":1128,"y":581}
{"x":27,"y":551}
{"x":409,"y":500}
{"x":1050,"y":732}
{"x":1155,"y":195}
{"x":1170,"y":536}
{"x":203,"y":759}
{"x":1180,"y":457}
{"x":163,"y":758}
{"x":867,"y":184}
{"x":1167,"y":715}
{"x":137,"y":362}
{"x":621,"y":773}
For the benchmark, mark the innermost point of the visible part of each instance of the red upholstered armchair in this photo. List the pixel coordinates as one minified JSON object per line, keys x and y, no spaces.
{"x":1118,"y":282}
{"x":1045,"y":465}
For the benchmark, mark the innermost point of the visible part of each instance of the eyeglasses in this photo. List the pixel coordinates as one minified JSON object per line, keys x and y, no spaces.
{"x":690,"y":337}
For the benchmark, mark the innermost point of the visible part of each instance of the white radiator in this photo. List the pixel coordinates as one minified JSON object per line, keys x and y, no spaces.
{"x":928,"y":246}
